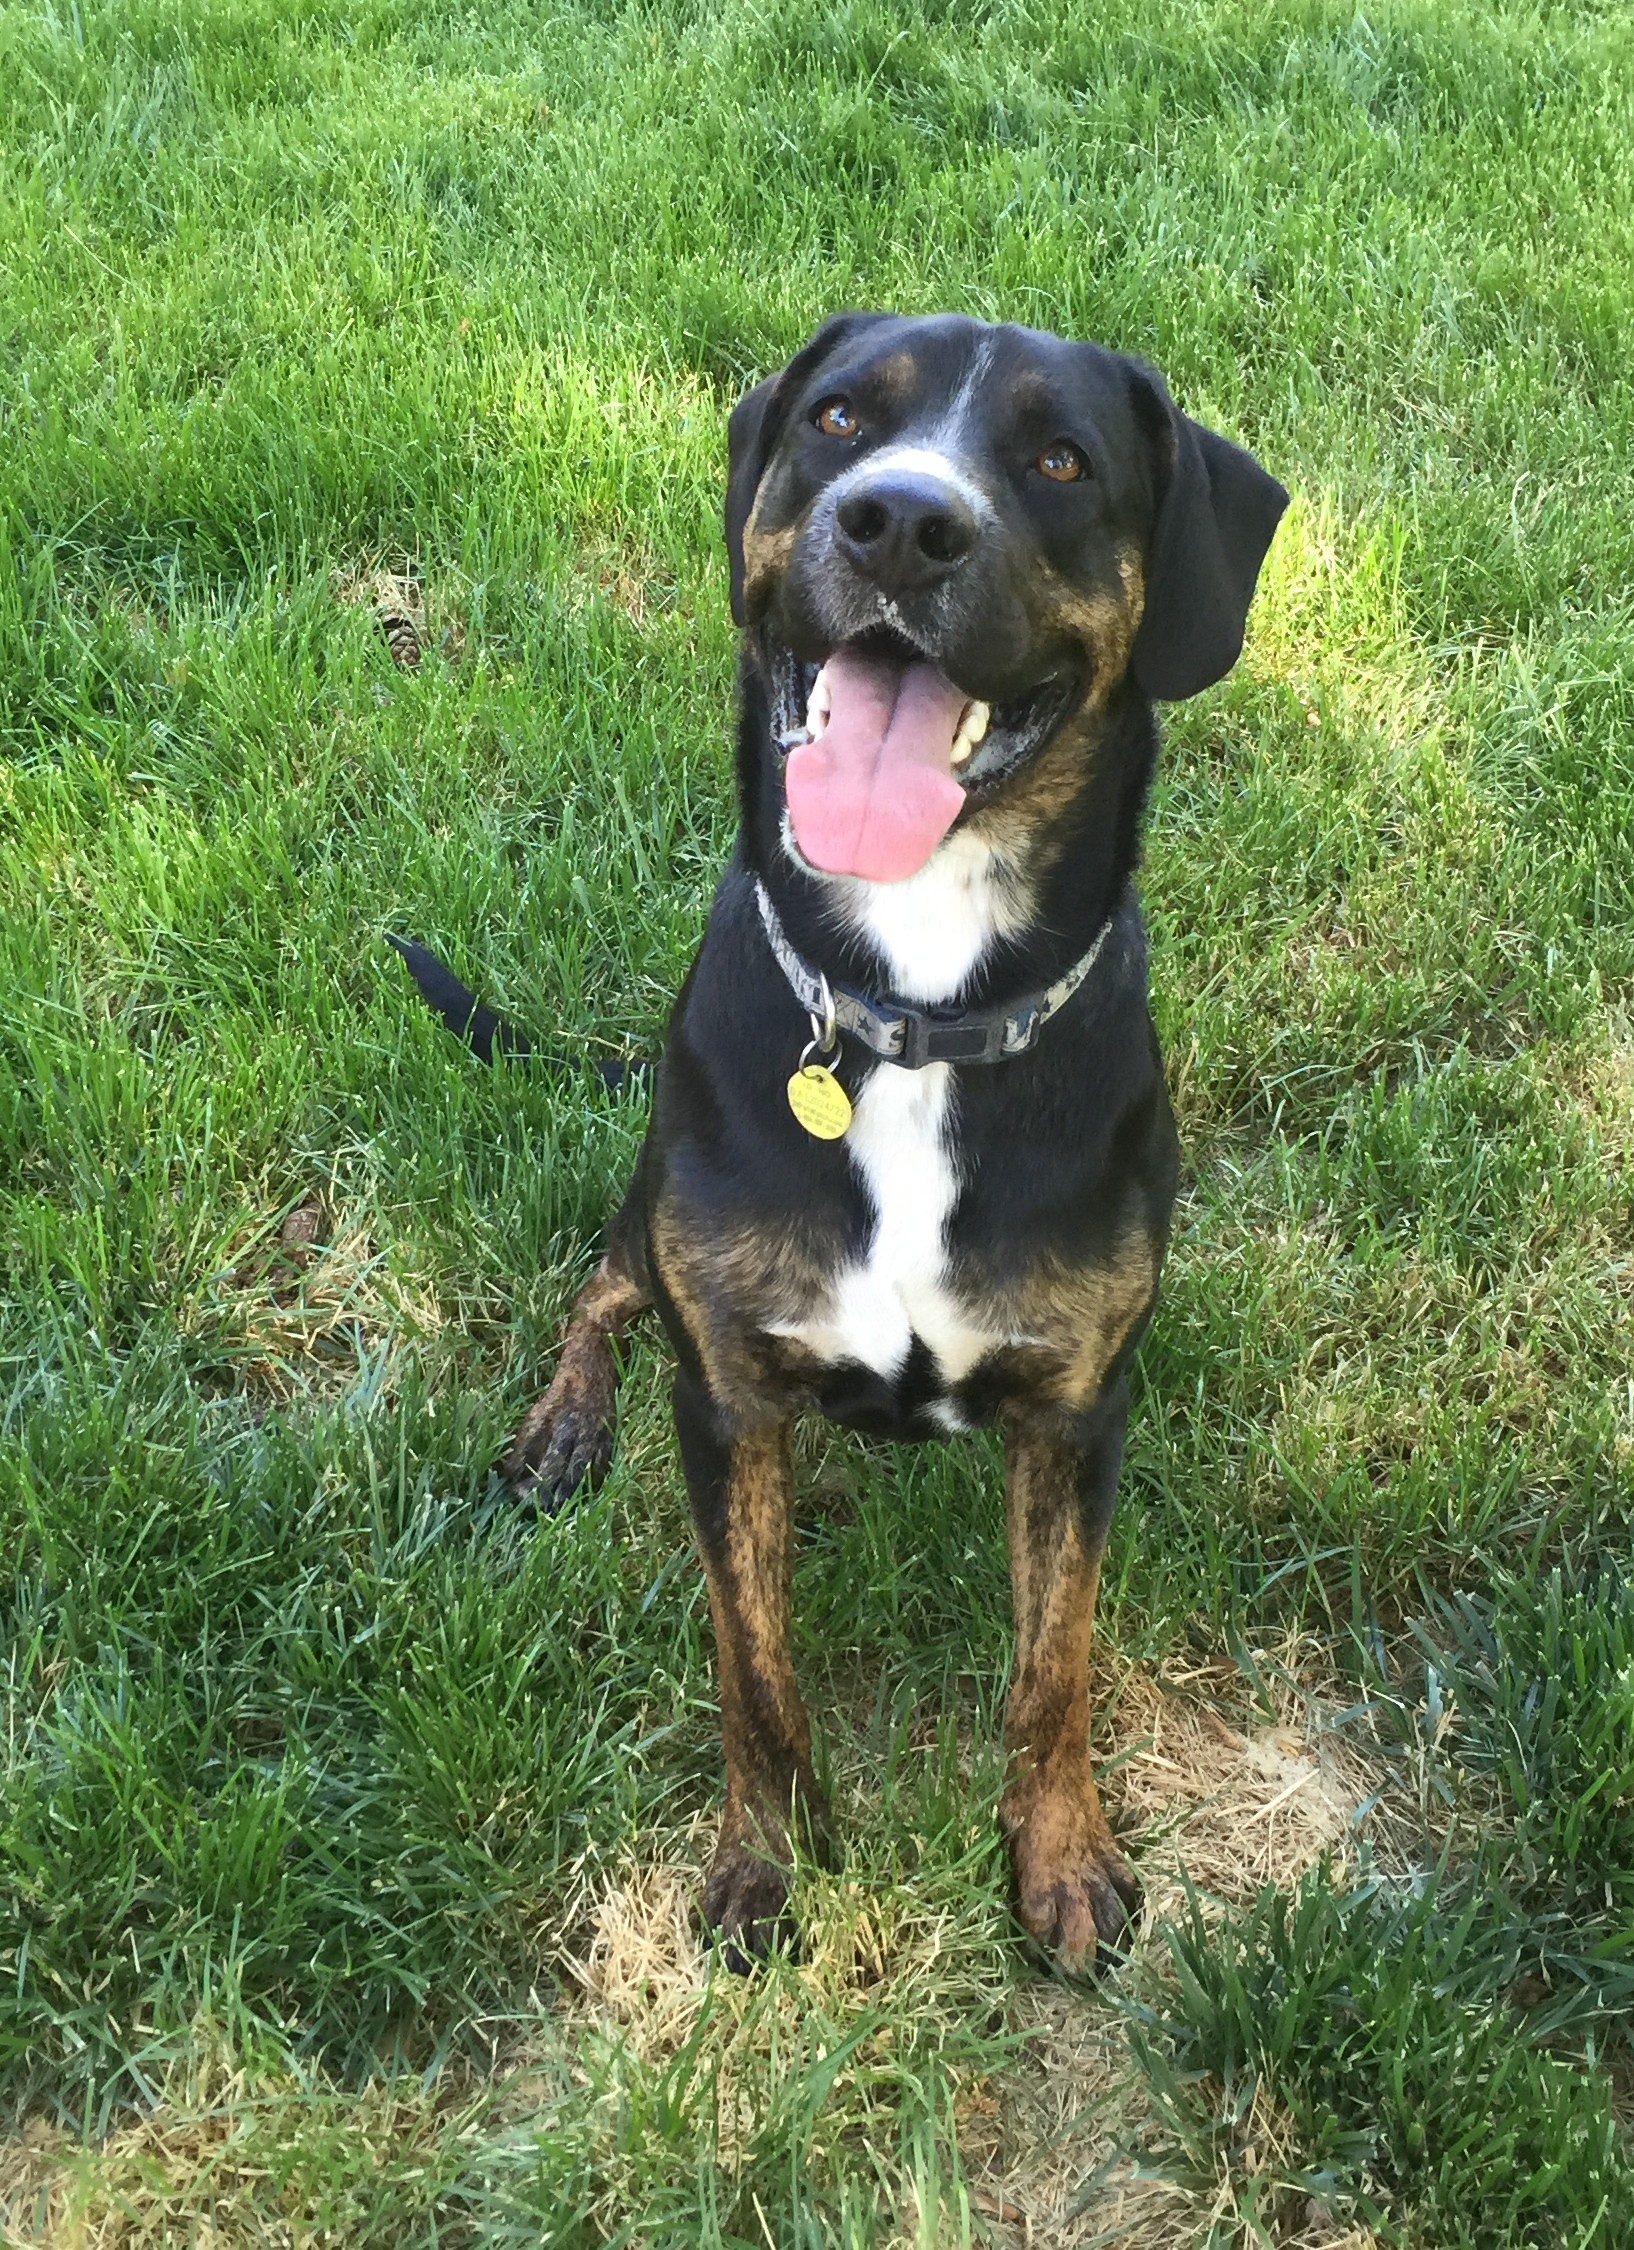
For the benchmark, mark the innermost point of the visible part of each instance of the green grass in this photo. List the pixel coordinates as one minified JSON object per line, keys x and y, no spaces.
{"x":1353,"y":2052}
{"x":324,"y":1782}
{"x":1425,"y":2053}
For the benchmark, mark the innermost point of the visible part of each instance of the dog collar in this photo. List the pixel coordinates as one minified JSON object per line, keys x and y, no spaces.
{"x":910,"y":1036}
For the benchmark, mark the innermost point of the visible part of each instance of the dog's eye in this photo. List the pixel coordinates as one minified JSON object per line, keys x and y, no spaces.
{"x":1063,"y":463}
{"x":836,"y":418}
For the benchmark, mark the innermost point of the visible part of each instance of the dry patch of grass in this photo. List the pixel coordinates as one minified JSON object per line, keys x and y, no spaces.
{"x":1213,"y":1792}
{"x":644,"y":1972}
{"x":1225,"y":1798}
{"x":1217,"y":1797}
{"x":219,"y":2168}
{"x":890,"y":1973}
{"x":310,"y":1305}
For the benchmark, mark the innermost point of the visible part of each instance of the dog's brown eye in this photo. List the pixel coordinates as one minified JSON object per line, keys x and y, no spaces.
{"x":1063,"y":462}
{"x":836,"y":419}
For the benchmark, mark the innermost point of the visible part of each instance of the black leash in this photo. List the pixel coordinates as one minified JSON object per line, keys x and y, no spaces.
{"x":486,"y":1032}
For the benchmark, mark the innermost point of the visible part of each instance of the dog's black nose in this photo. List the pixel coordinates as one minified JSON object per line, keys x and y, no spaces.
{"x":904,"y":531}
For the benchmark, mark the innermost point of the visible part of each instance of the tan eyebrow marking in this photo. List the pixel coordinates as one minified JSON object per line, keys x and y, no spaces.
{"x":898,"y":375}
{"x":1030,"y":392}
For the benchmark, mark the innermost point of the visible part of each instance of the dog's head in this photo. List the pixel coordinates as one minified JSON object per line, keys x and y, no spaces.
{"x":946,"y":539}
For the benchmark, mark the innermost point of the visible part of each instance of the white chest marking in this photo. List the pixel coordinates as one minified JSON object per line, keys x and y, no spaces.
{"x":899,"y":1143}
{"x":933,"y":928}
{"x":931,"y":931}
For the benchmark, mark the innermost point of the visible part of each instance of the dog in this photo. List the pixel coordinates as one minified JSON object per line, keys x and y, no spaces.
{"x":911,"y":1158}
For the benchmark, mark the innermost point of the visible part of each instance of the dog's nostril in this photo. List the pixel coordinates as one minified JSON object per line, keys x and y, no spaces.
{"x":945,"y":537}
{"x":863,"y":518}
{"x":904,"y":531}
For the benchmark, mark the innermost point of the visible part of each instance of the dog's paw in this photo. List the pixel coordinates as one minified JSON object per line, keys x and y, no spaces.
{"x":564,"y":1443}
{"x":746,"y":1905}
{"x":1075,"y":1893}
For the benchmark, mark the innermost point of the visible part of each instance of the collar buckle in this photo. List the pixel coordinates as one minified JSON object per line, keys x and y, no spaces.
{"x":932,"y":1038}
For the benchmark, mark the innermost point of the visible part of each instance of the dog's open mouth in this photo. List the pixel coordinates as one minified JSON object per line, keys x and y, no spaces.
{"x":885,"y":752}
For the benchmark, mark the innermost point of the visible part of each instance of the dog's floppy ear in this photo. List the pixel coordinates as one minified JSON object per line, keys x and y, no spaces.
{"x":748,"y":442}
{"x":753,"y":430}
{"x":1217,"y":509}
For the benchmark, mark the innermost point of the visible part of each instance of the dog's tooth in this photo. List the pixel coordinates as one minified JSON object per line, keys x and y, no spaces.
{"x":972,"y":727}
{"x":819,"y":704}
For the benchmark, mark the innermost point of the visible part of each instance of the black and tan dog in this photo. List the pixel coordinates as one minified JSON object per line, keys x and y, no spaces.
{"x":966,"y":560}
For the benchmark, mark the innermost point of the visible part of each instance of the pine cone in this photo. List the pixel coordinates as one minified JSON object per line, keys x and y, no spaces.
{"x":402,"y":637}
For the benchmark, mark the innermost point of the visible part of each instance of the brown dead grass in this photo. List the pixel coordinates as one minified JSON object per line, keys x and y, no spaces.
{"x":1208,"y":1788}
{"x":1225,"y":1797}
{"x":644,"y":1970}
{"x":1211,"y":1791}
{"x":305,"y":1303}
{"x":1228,"y":1798}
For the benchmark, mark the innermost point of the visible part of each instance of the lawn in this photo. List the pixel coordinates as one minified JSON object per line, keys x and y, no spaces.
{"x":351,"y":1829}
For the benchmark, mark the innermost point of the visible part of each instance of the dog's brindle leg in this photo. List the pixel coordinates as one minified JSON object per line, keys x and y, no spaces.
{"x":741,"y":1484}
{"x":1074,"y":1890}
{"x":565,"y":1439}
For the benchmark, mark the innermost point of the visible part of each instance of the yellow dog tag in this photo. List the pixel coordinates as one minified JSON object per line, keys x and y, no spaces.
{"x":820,"y":1102}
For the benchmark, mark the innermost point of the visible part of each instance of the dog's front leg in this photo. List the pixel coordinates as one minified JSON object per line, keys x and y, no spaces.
{"x":741,"y":1484}
{"x":1074,"y":1890}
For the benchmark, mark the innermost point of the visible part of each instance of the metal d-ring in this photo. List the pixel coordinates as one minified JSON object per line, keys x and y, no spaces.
{"x":825,"y":1031}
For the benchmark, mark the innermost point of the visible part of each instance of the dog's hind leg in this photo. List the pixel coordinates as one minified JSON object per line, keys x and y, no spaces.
{"x":565,"y":1439}
{"x":1074,"y":1889}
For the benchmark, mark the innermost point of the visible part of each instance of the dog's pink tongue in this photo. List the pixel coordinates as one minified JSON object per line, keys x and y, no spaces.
{"x":874,"y":794}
